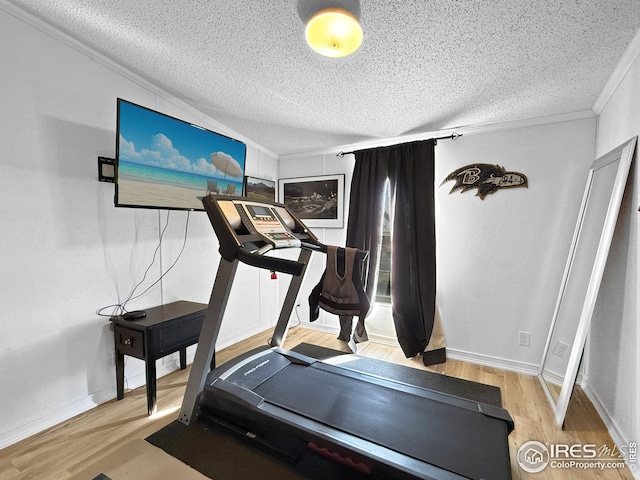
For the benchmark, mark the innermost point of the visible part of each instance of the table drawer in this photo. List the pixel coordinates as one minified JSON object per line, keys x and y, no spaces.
{"x":179,"y":334}
{"x":130,"y":342}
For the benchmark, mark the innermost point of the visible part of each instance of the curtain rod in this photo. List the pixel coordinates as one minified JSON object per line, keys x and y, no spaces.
{"x":453,"y":136}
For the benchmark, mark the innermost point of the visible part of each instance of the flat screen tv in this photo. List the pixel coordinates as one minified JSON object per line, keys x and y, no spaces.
{"x":164,"y":162}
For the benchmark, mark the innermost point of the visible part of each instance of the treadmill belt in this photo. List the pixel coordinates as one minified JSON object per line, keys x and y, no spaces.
{"x":450,"y":437}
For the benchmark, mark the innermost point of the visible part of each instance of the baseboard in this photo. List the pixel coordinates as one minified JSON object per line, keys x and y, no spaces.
{"x":554,"y":378}
{"x":384,"y":340}
{"x":616,"y":434}
{"x":92,"y":400}
{"x":476,"y":358}
{"x":495,"y":362}
{"x":82,"y":405}
{"x":61,"y":414}
{"x":319,"y":326}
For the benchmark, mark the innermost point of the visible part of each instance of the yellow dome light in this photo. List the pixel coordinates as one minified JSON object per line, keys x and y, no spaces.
{"x":334,"y":32}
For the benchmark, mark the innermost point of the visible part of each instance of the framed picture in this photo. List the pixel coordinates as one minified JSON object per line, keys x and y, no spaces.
{"x":260,"y":189}
{"x":317,"y":201}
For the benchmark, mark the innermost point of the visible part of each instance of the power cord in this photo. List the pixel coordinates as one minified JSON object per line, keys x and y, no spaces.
{"x":120,"y":308}
{"x":297,"y":317}
{"x":290,"y":326}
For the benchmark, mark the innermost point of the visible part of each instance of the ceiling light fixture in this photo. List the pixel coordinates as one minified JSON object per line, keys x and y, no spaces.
{"x":333,"y":27}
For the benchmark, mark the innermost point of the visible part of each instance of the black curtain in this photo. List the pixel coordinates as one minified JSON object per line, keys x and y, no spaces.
{"x":364,"y":227}
{"x":409,"y":168}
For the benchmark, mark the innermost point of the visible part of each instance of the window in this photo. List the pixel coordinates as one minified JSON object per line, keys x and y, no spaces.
{"x":383,"y":288}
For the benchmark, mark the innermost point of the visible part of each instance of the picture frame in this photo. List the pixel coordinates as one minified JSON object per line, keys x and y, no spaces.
{"x":583,"y":275}
{"x":317,"y":201}
{"x":148,"y":174}
{"x":259,"y":188}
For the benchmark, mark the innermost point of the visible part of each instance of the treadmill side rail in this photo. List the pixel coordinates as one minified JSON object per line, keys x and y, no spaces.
{"x":231,"y":389}
{"x":499,"y":413}
{"x":434,"y":435}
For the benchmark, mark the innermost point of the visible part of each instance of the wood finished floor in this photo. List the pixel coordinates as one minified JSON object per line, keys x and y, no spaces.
{"x":66,"y":449}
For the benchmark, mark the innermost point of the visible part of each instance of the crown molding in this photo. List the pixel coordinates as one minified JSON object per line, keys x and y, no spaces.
{"x":105,"y":61}
{"x":623,"y":67}
{"x":625,"y":63}
{"x":462,"y":130}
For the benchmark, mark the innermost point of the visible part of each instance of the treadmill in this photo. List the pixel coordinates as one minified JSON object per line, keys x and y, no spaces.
{"x":294,"y":405}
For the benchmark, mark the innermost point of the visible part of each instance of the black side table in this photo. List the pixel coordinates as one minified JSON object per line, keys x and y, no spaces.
{"x":165,"y":330}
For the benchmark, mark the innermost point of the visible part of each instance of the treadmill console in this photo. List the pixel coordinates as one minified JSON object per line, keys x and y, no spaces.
{"x":247,"y":229}
{"x":269,"y":224}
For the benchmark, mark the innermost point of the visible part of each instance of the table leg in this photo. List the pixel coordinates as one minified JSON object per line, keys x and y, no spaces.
{"x":119,"y":375}
{"x":151,"y":385}
{"x":183,"y":358}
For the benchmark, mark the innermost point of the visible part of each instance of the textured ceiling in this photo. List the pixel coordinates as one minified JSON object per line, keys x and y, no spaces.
{"x":423,"y":66}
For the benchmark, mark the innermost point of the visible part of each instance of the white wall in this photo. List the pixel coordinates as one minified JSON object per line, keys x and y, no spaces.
{"x":500,"y":261}
{"x":67,"y":251}
{"x":613,"y":360}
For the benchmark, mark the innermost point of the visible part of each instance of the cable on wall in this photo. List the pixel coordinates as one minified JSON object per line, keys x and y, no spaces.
{"x":120,"y":308}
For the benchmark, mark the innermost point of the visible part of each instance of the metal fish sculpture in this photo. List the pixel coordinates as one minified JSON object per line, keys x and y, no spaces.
{"x":486,"y":178}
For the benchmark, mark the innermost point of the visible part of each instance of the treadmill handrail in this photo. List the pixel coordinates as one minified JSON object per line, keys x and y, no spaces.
{"x":243,"y":245}
{"x":270,"y":263}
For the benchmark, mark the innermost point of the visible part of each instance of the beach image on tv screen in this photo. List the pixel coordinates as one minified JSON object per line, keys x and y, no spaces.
{"x":164,"y":162}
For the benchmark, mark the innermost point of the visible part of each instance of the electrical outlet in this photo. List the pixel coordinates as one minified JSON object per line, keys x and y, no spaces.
{"x":561,"y":349}
{"x":524,"y":338}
